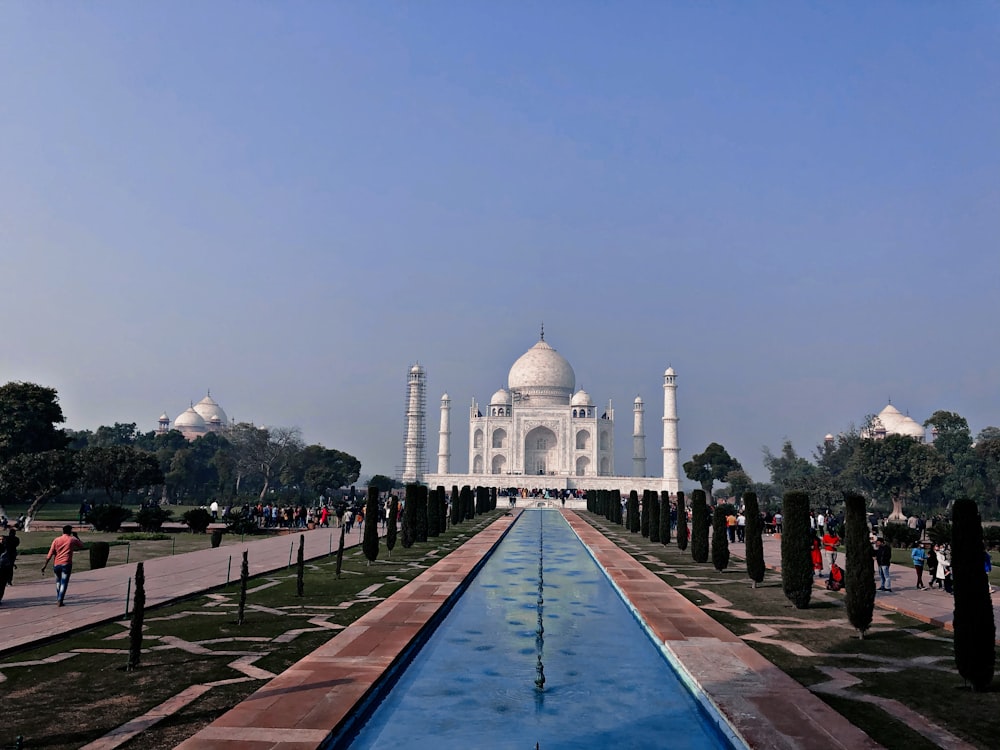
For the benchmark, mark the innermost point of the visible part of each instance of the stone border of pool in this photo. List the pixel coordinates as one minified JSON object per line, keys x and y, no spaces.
{"x":309,"y":703}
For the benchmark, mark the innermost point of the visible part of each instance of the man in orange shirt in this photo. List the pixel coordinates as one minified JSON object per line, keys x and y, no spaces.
{"x":62,"y":550}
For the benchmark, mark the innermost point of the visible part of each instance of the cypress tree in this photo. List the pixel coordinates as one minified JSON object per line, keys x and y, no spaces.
{"x":420,"y":518}
{"x":645,"y":514}
{"x":720,"y":538}
{"x":456,"y":505}
{"x":408,"y":529}
{"x":632,"y":512}
{"x":616,"y":507}
{"x":433,"y":511}
{"x":754,"y":536}
{"x":859,"y":575}
{"x":493,"y":498}
{"x":796,"y":552}
{"x":340,"y":549}
{"x":300,"y":566}
{"x":682,"y":523}
{"x":390,"y":531}
{"x":369,"y":544}
{"x":245,"y":576}
{"x":138,"y":613}
{"x":975,"y":628}
{"x":654,"y":516}
{"x":699,"y":527}
{"x":665,"y":517}
{"x":442,"y":510}
{"x":470,"y":502}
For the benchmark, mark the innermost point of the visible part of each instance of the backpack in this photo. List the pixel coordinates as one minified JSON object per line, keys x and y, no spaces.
{"x":836,"y":580}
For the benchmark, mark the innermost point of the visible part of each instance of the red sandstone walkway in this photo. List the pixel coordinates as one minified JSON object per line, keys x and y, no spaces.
{"x":29,"y":614}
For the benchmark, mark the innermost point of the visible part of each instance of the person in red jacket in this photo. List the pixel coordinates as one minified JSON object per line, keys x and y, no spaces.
{"x":62,"y":550}
{"x":830,"y":542}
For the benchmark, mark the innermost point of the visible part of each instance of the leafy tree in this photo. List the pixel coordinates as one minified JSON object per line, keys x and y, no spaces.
{"x":682,"y":523}
{"x":720,"y":538}
{"x":263,"y":452}
{"x":699,"y":527}
{"x":754,"y":536}
{"x":119,"y":434}
{"x":859,"y":577}
{"x":118,"y":470}
{"x":29,"y":414}
{"x":152,"y":517}
{"x":197,"y":519}
{"x":975,"y":628}
{"x":796,"y":559}
{"x":37,"y":476}
{"x":369,"y":545}
{"x":664,"y":517}
{"x":789,"y":471}
{"x":713,"y":464}
{"x":739,"y":482}
{"x":384,"y":483}
{"x":953,"y":442}
{"x":988,"y":451}
{"x":898,"y":468}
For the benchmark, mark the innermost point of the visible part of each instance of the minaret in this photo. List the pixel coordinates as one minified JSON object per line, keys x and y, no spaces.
{"x":638,"y":439}
{"x":444,"y":437}
{"x":671,"y":449}
{"x":413,"y":447}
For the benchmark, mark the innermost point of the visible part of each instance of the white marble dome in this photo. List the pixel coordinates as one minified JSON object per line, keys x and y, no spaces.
{"x":190,"y":420}
{"x":582,"y":398}
{"x":500,"y":398}
{"x":542,"y":376}
{"x":211,"y":411}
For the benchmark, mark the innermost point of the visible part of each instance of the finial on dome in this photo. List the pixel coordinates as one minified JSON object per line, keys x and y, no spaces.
{"x":543,"y":331}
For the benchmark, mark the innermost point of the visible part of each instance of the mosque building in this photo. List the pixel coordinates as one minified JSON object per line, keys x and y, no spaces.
{"x":890,"y":421}
{"x":540,"y":432}
{"x":199,"y":419}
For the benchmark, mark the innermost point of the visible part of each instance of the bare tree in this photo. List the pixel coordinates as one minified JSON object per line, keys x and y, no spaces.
{"x":264,"y":451}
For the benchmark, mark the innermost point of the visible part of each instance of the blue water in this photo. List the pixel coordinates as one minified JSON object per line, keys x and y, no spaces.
{"x":473,"y":684}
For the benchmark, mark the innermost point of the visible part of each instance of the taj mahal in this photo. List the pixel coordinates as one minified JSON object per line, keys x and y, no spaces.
{"x":540,"y":432}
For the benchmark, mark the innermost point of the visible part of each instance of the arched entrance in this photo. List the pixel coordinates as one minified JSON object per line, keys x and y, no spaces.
{"x":541,"y":451}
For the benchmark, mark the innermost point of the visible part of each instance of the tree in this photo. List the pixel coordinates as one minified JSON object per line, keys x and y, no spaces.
{"x":138,"y":613}
{"x":720,"y":538}
{"x":264,"y":452}
{"x":789,"y":471}
{"x":29,"y":414}
{"x":739,"y":482}
{"x":38,"y":477}
{"x":975,"y":628}
{"x":754,"y":536}
{"x":369,"y":545}
{"x":434,"y":511}
{"x":859,"y":578}
{"x":898,"y":467}
{"x":682,"y":523}
{"x":408,"y":529}
{"x":632,"y":512}
{"x":384,"y":483}
{"x":119,"y":434}
{"x":711,"y":465}
{"x":118,"y":470}
{"x":391,"y":531}
{"x":953,"y":442}
{"x":796,"y":560}
{"x":664,"y":517}
{"x":644,"y":514}
{"x":654,"y":516}
{"x":420,"y":517}
{"x":699,"y":527}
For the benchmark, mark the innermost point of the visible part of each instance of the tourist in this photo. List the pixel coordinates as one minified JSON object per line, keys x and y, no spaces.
{"x":62,"y":549}
{"x":741,"y":527}
{"x":8,"y":554}
{"x":942,"y":576}
{"x":883,"y":558}
{"x":932,"y":565}
{"x":214,"y":508}
{"x":817,"y":556}
{"x":731,"y":526}
{"x":830,"y":542}
{"x":919,"y":555}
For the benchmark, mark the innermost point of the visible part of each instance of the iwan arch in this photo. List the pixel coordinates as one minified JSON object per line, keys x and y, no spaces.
{"x":540,"y":431}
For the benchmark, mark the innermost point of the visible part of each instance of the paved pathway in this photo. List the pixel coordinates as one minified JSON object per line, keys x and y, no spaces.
{"x":29,"y":615}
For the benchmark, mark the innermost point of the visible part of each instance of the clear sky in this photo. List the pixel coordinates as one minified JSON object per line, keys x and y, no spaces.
{"x":795,"y":205}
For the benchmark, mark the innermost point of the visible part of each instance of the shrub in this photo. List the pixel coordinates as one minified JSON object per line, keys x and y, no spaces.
{"x":152,"y":517}
{"x":754,"y":535}
{"x":242,"y":525}
{"x":720,"y":539}
{"x":975,"y":628}
{"x":699,"y":527}
{"x":940,"y":532}
{"x":796,"y":552}
{"x":899,"y":535}
{"x":682,"y":523}
{"x":198,"y":519}
{"x":109,"y":518}
{"x":99,"y":552}
{"x":216,"y":538}
{"x":859,"y":576}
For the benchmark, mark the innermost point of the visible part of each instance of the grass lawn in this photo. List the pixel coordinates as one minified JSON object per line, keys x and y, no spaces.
{"x":899,"y":658}
{"x":85,"y":691}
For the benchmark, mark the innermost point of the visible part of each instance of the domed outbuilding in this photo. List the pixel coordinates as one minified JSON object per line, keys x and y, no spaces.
{"x":197,"y":420}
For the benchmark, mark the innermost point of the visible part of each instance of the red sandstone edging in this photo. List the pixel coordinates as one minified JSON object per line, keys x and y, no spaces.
{"x":316,"y":697}
{"x":764,"y":706}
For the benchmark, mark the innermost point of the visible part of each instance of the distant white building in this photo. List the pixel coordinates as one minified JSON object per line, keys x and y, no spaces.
{"x":197,"y":420}
{"x":890,"y":421}
{"x":540,"y":431}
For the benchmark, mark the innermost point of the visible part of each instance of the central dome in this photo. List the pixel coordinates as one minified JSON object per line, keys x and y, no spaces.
{"x":542,"y":376}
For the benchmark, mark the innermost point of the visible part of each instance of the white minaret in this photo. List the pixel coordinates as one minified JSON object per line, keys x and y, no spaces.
{"x":413,"y":447}
{"x":671,"y":449}
{"x":638,"y":439}
{"x":444,"y":437}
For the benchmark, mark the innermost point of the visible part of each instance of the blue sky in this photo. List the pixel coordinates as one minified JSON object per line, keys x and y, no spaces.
{"x":795,"y":205}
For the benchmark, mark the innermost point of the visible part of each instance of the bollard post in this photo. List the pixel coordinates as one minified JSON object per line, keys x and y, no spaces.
{"x":128,"y":551}
{"x":290,"y":548}
{"x":128,"y":593}
{"x":173,"y":544}
{"x":331,"y":543}
{"x":229,"y":568}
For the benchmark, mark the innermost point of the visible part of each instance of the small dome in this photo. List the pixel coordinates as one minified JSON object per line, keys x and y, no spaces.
{"x":582,"y":398}
{"x":446,"y":397}
{"x":911,"y":428}
{"x":891,"y":418}
{"x":501,"y":397}
{"x":416,"y":369}
{"x":542,"y":375}
{"x":828,"y":437}
{"x":211,"y":411}
{"x":638,"y":400}
{"x":164,"y":418}
{"x":190,"y":420}
{"x":669,"y":371}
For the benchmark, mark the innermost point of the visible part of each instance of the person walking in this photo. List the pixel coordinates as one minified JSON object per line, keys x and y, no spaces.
{"x":883,"y":558}
{"x":8,"y":554}
{"x":61,"y":552}
{"x":919,"y":555}
{"x":830,"y":542}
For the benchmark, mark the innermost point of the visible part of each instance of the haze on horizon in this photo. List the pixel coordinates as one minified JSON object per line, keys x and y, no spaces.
{"x":289,"y":204}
